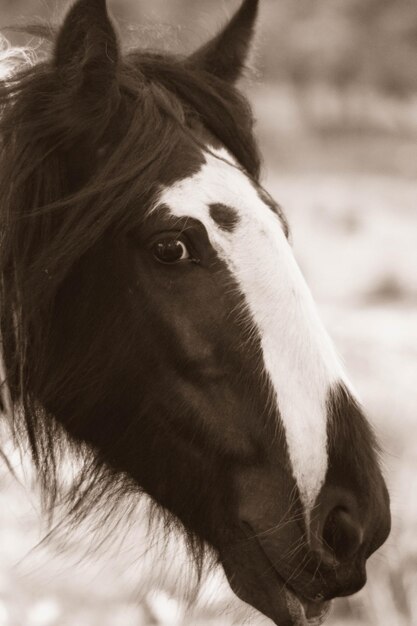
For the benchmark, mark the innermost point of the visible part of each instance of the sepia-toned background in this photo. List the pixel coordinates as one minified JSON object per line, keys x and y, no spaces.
{"x":335,"y":95}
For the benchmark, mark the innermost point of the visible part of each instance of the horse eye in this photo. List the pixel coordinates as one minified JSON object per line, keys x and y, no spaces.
{"x":170,"y":251}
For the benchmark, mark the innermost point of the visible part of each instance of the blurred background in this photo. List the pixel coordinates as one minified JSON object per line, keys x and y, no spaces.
{"x":335,"y":96}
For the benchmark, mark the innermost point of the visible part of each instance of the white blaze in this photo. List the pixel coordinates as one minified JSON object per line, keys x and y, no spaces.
{"x":298,"y":354}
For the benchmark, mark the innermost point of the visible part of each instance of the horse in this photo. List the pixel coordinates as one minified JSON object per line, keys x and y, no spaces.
{"x":154,"y":319}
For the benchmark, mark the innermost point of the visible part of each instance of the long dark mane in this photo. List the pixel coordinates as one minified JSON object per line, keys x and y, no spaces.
{"x":70,"y":176}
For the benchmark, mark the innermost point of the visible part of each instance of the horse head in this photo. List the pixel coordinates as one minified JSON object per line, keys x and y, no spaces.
{"x":152,"y":309}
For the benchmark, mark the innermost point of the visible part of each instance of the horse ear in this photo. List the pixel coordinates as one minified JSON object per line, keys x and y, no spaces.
{"x":226,"y":54}
{"x":87,"y":50}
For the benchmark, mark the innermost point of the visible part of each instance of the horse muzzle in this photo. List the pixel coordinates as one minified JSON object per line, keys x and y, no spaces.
{"x":289,"y":569}
{"x":257,"y":582}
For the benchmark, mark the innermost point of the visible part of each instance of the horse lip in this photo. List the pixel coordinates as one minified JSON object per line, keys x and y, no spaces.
{"x":304,"y":611}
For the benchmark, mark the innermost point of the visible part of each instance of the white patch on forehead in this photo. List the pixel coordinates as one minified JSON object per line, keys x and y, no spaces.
{"x":298,"y":354}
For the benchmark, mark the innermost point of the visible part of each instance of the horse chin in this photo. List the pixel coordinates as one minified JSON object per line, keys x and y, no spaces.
{"x":305,"y":612}
{"x":285,"y":608}
{"x":263,"y":588}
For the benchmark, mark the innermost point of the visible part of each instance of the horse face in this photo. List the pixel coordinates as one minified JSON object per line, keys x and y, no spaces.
{"x":172,"y":330}
{"x":248,"y":378}
{"x":218,"y":390}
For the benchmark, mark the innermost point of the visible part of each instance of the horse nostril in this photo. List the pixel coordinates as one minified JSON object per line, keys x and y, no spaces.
{"x":342,"y":534}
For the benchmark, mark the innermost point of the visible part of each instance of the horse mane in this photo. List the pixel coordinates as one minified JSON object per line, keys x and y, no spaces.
{"x":51,"y":215}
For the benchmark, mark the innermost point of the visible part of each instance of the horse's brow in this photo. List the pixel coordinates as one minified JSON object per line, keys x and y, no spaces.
{"x":163,"y":210}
